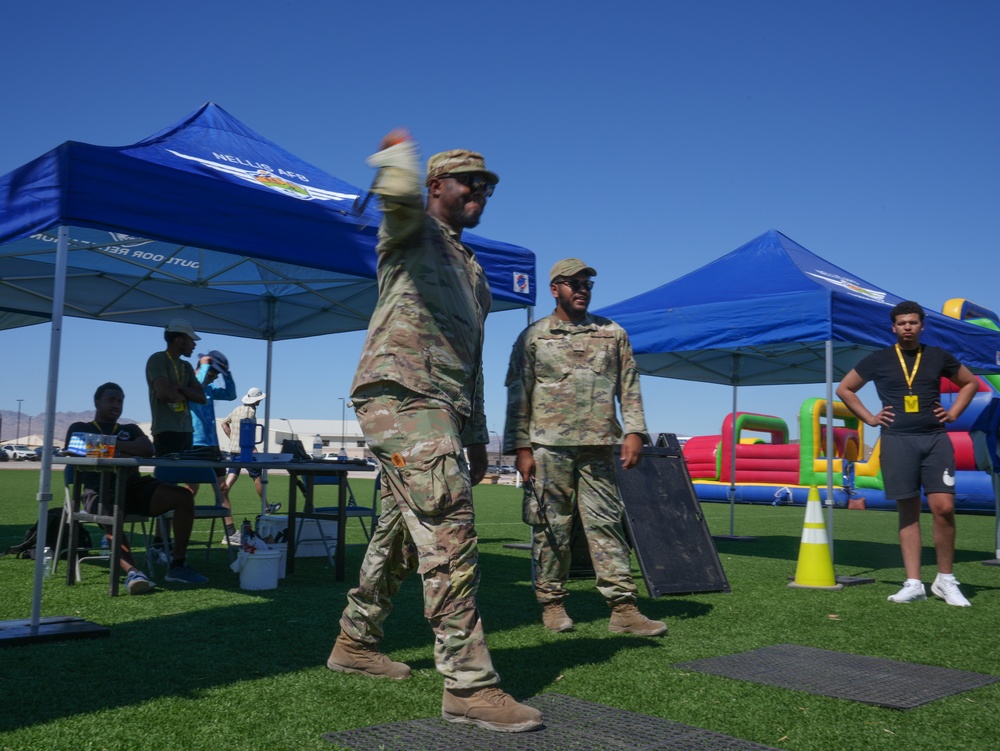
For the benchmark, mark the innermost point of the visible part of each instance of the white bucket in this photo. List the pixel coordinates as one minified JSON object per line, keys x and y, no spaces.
{"x":261,"y":570}
{"x":281,"y":547}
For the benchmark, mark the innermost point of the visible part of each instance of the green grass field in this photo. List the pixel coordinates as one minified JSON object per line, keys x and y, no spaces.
{"x":216,"y":667}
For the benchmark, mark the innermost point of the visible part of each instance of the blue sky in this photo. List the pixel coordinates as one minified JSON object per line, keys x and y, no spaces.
{"x":647,"y":138}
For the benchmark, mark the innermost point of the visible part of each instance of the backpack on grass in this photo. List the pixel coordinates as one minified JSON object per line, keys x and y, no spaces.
{"x":26,"y":548}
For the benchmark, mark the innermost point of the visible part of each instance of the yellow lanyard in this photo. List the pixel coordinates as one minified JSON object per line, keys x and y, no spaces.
{"x":114,"y":430}
{"x":909,"y":376}
{"x":177,"y":375}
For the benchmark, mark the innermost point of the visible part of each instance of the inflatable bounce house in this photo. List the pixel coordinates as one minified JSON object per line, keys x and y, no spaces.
{"x":771,"y":469}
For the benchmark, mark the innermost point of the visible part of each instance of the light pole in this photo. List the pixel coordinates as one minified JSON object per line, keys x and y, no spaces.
{"x":343,"y":427}
{"x":18,"y":439}
{"x":290,"y":428}
{"x":499,"y":446}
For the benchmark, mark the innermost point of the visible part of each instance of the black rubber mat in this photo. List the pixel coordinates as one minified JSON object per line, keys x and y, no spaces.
{"x":872,"y":680}
{"x":570,"y":725}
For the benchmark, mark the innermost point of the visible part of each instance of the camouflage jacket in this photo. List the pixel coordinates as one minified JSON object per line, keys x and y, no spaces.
{"x":426,"y":332}
{"x":563,"y":381}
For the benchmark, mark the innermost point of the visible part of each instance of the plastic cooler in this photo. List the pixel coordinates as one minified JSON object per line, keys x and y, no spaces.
{"x":314,"y":537}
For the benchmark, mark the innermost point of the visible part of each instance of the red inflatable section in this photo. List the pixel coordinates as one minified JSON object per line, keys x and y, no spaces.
{"x":965,"y":454}
{"x":777,"y":462}
{"x":699,"y":455}
{"x":845,"y":443}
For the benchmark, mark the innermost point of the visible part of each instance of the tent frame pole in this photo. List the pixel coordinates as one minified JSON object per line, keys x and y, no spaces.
{"x":33,"y":630}
{"x":829,"y":443}
{"x":732,"y":458}
{"x":732,"y":462}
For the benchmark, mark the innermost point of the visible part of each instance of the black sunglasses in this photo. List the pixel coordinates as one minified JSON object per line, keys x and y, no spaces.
{"x":474,"y":182}
{"x":577,"y":284}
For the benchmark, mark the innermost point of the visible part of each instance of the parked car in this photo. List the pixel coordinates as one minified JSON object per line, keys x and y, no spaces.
{"x":36,"y":456}
{"x":493,"y":469}
{"x":17,"y":451}
{"x":332,"y":456}
{"x":507,"y":469}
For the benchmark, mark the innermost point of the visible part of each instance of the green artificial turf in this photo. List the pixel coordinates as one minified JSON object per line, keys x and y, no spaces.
{"x":216,"y":667}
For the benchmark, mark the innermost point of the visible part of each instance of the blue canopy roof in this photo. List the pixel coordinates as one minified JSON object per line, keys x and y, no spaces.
{"x":209,"y":220}
{"x":763,"y":313}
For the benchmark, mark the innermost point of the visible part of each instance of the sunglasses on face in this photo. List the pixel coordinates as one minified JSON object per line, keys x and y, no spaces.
{"x":577,"y":284}
{"x":474,"y":182}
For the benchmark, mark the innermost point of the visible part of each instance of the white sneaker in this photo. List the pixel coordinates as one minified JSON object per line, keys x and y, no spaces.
{"x":947,"y":590}
{"x":234,"y":539}
{"x":911,"y":592}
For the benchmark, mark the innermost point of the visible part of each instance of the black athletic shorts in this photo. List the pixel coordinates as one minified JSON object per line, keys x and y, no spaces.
{"x":914,"y":461}
{"x":171,"y":442}
{"x":138,"y":496}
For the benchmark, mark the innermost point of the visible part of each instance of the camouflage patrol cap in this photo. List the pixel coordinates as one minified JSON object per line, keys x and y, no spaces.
{"x":569,"y":267}
{"x":455,"y":161}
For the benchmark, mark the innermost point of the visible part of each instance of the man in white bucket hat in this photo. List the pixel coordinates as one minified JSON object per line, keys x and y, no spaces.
{"x":231,"y":427}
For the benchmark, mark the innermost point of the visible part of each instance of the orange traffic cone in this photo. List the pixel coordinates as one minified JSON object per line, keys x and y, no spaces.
{"x":815,"y":567}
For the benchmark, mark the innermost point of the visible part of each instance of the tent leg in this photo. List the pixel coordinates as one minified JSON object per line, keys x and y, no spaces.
{"x":59,"y":627}
{"x":732,"y":467}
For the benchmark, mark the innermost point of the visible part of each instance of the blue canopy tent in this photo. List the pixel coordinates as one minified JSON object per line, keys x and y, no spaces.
{"x":207,"y":220}
{"x":771,"y":313}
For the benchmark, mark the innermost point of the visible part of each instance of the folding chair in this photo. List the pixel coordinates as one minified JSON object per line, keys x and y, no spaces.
{"x":182,"y":475}
{"x":71,"y":514}
{"x":354,"y":511}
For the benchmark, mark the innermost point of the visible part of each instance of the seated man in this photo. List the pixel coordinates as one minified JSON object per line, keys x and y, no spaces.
{"x":143,"y":494}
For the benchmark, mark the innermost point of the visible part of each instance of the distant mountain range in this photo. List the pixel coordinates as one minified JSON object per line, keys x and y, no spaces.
{"x":32,"y":426}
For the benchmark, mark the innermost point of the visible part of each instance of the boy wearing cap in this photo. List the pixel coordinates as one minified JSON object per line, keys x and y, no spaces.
{"x":172,"y":386}
{"x":231,"y":427}
{"x":206,"y":435}
{"x":566,"y":371}
{"x":418,"y":395}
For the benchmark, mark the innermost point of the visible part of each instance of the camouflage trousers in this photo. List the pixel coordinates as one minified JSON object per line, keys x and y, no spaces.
{"x":427,"y":525}
{"x":567,"y":479}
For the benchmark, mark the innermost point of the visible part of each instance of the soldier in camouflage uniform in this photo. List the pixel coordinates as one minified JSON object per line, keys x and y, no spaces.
{"x":418,"y":394}
{"x":566,"y":370}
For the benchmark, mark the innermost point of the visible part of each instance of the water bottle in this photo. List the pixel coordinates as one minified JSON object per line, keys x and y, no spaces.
{"x":248,"y":438}
{"x":47,"y":561}
{"x":317,"y":447}
{"x":342,"y":455}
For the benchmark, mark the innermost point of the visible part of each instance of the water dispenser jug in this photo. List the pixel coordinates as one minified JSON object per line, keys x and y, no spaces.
{"x":248,"y":438}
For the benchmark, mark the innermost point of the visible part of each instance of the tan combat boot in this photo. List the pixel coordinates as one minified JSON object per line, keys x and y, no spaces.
{"x":348,"y":656}
{"x":555,"y":618}
{"x":489,"y":708}
{"x":626,"y":619}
